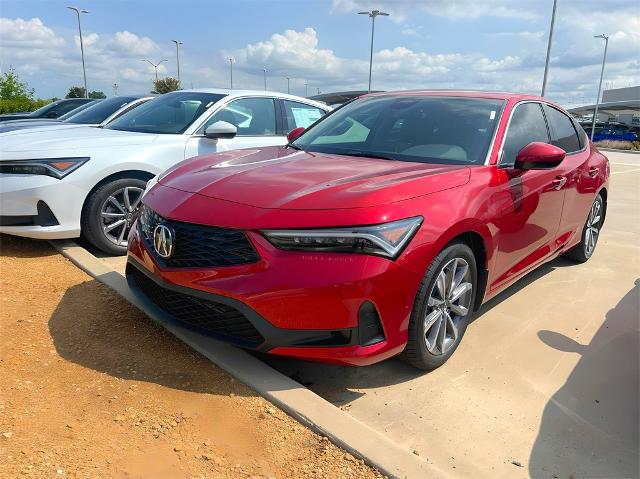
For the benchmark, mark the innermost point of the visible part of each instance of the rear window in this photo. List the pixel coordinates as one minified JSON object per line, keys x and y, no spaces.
{"x":563,"y":133}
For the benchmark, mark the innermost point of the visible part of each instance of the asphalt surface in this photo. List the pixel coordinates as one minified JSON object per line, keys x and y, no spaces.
{"x":546,"y":380}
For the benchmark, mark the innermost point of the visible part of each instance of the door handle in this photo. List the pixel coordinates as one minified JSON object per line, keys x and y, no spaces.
{"x":559,"y":182}
{"x":593,"y":172}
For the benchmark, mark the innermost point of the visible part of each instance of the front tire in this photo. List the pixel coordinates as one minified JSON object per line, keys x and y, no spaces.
{"x":109,"y":213}
{"x":590,"y":232}
{"x":443,"y":308}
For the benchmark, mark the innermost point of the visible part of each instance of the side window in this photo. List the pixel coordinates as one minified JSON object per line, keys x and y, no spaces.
{"x":300,"y":115}
{"x":527,"y":125}
{"x":251,"y":116}
{"x":563,"y":133}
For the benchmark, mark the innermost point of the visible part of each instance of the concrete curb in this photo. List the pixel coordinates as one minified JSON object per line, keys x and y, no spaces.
{"x":299,"y":402}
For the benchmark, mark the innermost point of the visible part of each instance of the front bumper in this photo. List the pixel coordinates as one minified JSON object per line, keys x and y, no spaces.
{"x":312,"y":306}
{"x":39,"y":207}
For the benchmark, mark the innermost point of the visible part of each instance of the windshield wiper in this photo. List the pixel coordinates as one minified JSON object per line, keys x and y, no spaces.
{"x":367,"y":154}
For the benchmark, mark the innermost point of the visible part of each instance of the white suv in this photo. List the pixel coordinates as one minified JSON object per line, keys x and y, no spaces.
{"x":89,"y":181}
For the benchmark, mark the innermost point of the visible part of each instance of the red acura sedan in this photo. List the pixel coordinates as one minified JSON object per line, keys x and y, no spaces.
{"x":377,"y":231}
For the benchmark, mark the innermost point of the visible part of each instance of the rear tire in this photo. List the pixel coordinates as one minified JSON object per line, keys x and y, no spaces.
{"x":590,"y":233}
{"x":453,"y":272}
{"x":109,"y":213}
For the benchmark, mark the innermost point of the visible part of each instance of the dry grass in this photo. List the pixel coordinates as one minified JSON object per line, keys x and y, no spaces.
{"x":619,"y":145}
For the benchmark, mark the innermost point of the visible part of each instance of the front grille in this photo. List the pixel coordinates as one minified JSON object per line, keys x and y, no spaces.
{"x":209,"y":316}
{"x":198,"y":246}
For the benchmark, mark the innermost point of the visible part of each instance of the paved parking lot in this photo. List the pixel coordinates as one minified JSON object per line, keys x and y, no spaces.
{"x":545,"y":383}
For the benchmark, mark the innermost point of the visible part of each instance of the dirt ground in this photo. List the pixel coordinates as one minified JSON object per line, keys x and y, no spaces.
{"x":89,"y":387}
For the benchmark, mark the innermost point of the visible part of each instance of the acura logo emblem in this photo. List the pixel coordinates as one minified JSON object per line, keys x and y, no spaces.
{"x":163,"y":238}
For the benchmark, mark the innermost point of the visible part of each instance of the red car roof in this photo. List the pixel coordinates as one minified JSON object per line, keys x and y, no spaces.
{"x":460,"y":93}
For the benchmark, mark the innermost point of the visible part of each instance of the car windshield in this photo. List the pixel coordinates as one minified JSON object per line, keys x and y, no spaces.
{"x":169,"y":113}
{"x":78,"y":110}
{"x":424,"y":129}
{"x":97,"y":113}
{"x":43,"y":110}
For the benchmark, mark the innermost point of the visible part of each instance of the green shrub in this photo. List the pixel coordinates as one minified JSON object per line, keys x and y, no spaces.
{"x":16,"y":105}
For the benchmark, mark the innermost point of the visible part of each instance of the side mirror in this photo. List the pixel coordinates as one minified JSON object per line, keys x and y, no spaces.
{"x":220,"y":129}
{"x":294,"y":134}
{"x":539,"y":156}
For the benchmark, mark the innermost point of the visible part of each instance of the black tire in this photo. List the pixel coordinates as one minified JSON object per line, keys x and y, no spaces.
{"x":417,"y":352}
{"x":91,"y":221}
{"x":583,"y":251}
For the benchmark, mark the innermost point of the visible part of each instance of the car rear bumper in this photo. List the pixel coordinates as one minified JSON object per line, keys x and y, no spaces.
{"x":345,"y":309}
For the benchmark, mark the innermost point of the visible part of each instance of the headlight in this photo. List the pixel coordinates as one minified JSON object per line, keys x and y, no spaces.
{"x":150,"y":184}
{"x":54,"y":167}
{"x":387,"y":239}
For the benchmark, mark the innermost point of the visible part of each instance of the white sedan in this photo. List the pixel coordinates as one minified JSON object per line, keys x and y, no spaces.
{"x":67,"y":182}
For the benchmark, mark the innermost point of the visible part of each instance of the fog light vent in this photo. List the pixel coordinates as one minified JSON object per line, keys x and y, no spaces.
{"x":370,"y":327}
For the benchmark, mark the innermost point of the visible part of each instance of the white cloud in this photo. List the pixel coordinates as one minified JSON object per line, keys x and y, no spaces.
{"x":401,"y":9}
{"x":131,"y":44}
{"x":25,"y":34}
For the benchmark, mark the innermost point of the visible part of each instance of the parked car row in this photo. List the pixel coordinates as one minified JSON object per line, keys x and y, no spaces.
{"x":95,"y":113}
{"x":62,"y":182}
{"x":51,"y":110}
{"x":371,"y":230}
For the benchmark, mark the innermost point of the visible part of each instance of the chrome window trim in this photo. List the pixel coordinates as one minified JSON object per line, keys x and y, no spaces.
{"x":495,"y":136}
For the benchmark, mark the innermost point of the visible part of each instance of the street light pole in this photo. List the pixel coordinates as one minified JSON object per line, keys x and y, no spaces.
{"x":264,"y":71}
{"x":231,"y":70}
{"x":372,"y":14}
{"x":546,"y":65}
{"x":306,"y":88}
{"x":115,"y":89}
{"x":177,"y":42}
{"x":604,"y":60}
{"x":84,"y":71}
{"x":288,"y":79}
{"x":154,"y":65}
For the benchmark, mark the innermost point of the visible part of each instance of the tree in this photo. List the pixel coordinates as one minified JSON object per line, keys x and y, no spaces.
{"x":165,"y":85}
{"x":75,"y":92}
{"x":16,"y":95}
{"x":11,"y":88}
{"x":97,"y":95}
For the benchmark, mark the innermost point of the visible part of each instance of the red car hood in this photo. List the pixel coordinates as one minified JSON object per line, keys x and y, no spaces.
{"x":283,"y":178}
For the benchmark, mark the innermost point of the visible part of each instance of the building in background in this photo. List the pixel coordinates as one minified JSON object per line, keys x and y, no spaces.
{"x":619,"y":105}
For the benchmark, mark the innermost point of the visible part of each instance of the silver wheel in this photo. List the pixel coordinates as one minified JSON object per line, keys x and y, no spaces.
{"x":449,"y":303}
{"x":592,"y":228}
{"x":118,"y":213}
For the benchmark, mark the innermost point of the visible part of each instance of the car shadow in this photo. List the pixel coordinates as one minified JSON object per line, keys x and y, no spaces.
{"x":590,"y":426}
{"x":18,"y":247}
{"x":337,"y":383}
{"x":94,"y":327}
{"x":526,"y":280}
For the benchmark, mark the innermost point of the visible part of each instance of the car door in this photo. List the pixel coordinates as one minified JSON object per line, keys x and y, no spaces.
{"x":529,"y":215}
{"x":583,"y":173}
{"x":255,"y":120}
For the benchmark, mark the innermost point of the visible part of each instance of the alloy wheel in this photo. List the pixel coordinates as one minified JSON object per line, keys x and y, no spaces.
{"x":448,"y":304}
{"x":592,"y":230}
{"x":118,"y":213}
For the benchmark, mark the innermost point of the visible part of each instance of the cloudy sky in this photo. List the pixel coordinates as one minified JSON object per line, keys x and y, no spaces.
{"x":476,"y":44}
